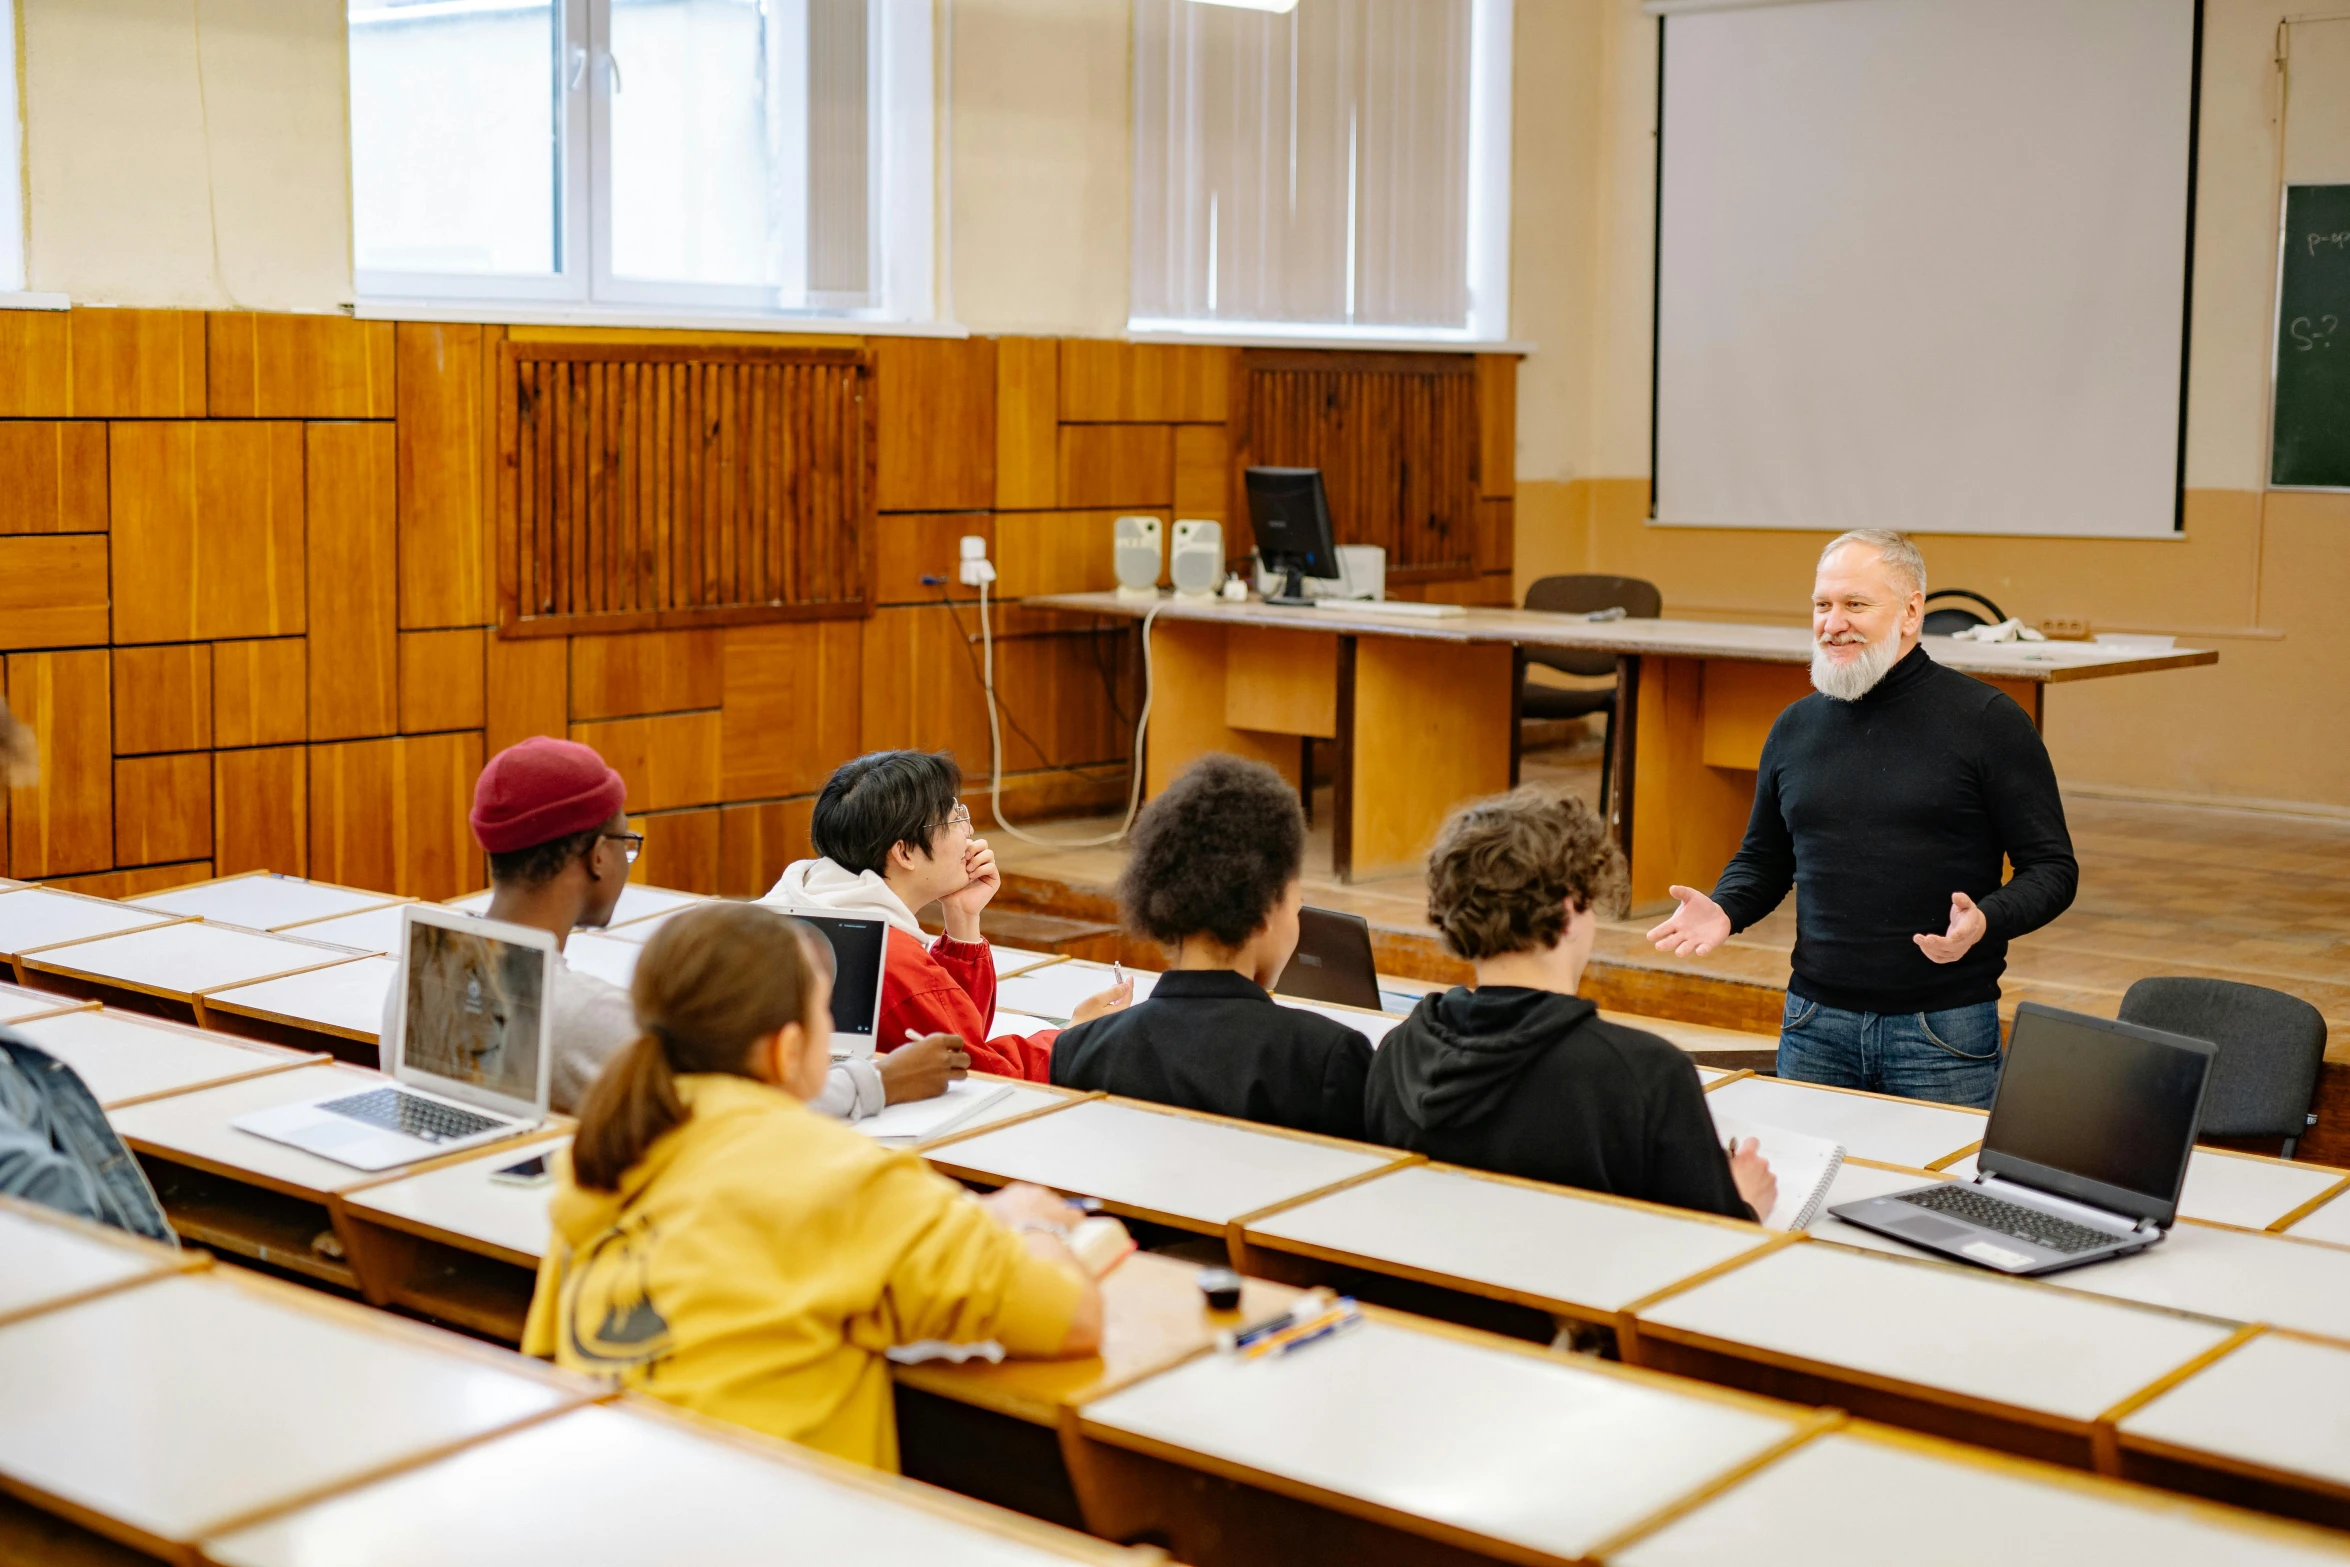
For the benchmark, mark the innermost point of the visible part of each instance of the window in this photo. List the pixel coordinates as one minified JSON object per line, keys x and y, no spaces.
{"x":1339,"y":171}
{"x":762,"y":156}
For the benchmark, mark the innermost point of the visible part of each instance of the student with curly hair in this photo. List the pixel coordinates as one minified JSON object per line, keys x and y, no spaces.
{"x":1213,"y":874}
{"x":1516,"y":1073}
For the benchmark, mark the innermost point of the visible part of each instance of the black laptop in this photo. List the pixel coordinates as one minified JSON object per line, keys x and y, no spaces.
{"x":2084,"y":1155}
{"x":1332,"y":961}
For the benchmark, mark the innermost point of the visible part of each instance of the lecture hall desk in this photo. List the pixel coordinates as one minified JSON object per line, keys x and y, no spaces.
{"x":1424,"y":712}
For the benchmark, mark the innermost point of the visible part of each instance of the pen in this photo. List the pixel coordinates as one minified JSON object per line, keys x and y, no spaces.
{"x":1328,"y":1330}
{"x":1314,"y":1325}
{"x":1117,"y":972}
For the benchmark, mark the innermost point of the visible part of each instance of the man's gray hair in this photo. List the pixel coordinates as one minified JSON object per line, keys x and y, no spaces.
{"x":1900,"y":556}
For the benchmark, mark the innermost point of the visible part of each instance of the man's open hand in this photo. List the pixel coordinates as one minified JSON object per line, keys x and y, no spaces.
{"x":1967,"y":926}
{"x":1697,"y":927}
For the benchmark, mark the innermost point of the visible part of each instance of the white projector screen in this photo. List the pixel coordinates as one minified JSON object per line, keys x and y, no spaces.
{"x":1923,"y":264}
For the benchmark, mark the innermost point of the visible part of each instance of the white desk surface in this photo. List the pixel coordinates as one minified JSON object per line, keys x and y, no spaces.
{"x":2231,"y":1273}
{"x":43,"y":1262}
{"x":1054,"y":992}
{"x":122,"y":1056}
{"x":181,"y":1403}
{"x":1019,"y":1098}
{"x":1533,"y":1450}
{"x":43,"y":917}
{"x":1022,"y":1023}
{"x":1544,"y":1242}
{"x":637,"y":902}
{"x":1019,"y":960}
{"x":607,"y":957}
{"x":1890,"y":1131}
{"x":2231,"y":1188}
{"x":2275,"y":1401}
{"x":1858,"y":1183}
{"x":179,"y":960}
{"x":461,"y":1202}
{"x":348,"y":996}
{"x":17,"y":1002}
{"x":1205,"y":1171}
{"x":1941,"y":1326}
{"x":2329,"y":1222}
{"x":370,"y":930}
{"x":1853,"y":1500}
{"x":266,"y":901}
{"x":1373,"y":1026}
{"x":608,"y":1486}
{"x":194,"y":1127}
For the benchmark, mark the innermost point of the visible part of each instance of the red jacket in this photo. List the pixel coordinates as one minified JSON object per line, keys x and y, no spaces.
{"x":950,"y":989}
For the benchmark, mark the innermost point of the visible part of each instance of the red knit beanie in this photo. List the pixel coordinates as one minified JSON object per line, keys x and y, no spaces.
{"x":541,"y":790}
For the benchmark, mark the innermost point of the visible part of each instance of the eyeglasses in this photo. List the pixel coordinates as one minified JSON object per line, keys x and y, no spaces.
{"x":631,"y":844}
{"x":960,"y":816}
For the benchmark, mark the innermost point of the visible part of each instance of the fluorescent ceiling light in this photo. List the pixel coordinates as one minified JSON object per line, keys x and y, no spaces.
{"x":1277,"y":7}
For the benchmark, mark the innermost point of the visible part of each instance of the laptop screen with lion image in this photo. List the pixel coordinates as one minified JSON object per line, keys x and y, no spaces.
{"x":473,"y":1010}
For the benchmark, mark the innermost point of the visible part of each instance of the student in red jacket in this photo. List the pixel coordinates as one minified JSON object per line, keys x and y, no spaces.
{"x":893,"y":838}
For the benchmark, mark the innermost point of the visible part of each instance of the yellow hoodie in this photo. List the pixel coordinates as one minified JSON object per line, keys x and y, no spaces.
{"x":759,"y":1258}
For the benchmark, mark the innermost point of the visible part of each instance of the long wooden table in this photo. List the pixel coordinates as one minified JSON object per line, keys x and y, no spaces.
{"x":1423,"y":711}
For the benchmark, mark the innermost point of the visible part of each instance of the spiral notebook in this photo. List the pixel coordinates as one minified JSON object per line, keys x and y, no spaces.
{"x":1804,"y":1166}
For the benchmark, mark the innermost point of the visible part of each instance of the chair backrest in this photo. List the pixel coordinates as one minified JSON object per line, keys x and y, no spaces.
{"x":2270,"y":1048}
{"x":1953,"y":618}
{"x":1580,"y":595}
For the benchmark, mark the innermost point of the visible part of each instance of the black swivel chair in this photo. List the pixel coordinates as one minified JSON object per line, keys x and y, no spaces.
{"x":1580,"y":595}
{"x":1951,"y":619}
{"x":2270,"y":1046}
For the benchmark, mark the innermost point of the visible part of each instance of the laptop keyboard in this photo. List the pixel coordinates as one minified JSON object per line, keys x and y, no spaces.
{"x":413,"y":1114}
{"x":1961,"y":1201}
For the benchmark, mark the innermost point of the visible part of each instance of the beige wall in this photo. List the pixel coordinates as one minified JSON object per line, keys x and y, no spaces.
{"x":2259,"y":577}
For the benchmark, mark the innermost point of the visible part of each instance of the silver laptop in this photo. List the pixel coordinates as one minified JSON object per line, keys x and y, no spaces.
{"x":860,"y":955}
{"x":2084,"y":1156}
{"x":471,"y":1015}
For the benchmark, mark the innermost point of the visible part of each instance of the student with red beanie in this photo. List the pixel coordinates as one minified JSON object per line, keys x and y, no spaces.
{"x":549,"y":815}
{"x":893,"y":838}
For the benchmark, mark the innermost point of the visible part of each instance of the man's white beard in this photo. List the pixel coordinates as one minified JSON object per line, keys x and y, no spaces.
{"x":1852,"y":680}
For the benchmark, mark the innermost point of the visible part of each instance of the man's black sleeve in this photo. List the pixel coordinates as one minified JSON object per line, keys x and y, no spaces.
{"x":2019,"y":786}
{"x":1759,"y":875}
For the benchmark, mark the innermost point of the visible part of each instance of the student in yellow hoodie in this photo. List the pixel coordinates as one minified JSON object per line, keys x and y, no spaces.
{"x":720,"y":1245}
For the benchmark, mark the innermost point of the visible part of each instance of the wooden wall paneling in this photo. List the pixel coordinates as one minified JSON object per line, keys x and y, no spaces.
{"x":260,"y":692}
{"x":137,"y":882}
{"x":1143,"y":382}
{"x":390,"y":815}
{"x":909,"y":546}
{"x":757,"y":842}
{"x":261,"y":810}
{"x":1060,"y":552}
{"x":936,"y":422}
{"x":443,"y":450}
{"x":1497,"y":535}
{"x":921,"y":684}
{"x":354,"y":553}
{"x":261,"y":366}
{"x":53,"y":589}
{"x":207,"y":528}
{"x":136,"y":364}
{"x":441,"y":680}
{"x":352,"y":801}
{"x":163,"y":699}
{"x":1203,"y":472}
{"x":646,"y":672}
{"x":162,"y":808}
{"x":1497,"y":426}
{"x":64,"y":822}
{"x":1057,"y":689}
{"x":56,"y":476}
{"x":526,"y":690}
{"x":670,"y":761}
{"x":1027,"y":422}
{"x":36,"y":364}
{"x":681,"y":850}
{"x":1117,"y":465}
{"x":791,"y":707}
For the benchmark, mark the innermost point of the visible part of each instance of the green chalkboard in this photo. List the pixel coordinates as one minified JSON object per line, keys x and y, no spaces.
{"x":2312,"y":442}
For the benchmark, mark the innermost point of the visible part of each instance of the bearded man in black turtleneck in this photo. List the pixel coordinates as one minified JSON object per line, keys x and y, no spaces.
{"x":1888,"y":799}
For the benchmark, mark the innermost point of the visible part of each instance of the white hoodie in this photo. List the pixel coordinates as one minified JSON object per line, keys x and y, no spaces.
{"x":853,"y":1090}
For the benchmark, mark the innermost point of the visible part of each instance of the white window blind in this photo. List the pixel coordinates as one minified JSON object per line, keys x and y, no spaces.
{"x":12,"y":259}
{"x":1341,"y":170}
{"x":703,"y":155}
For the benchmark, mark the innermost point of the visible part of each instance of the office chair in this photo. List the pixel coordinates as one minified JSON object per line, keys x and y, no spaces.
{"x":1580,"y":595}
{"x":1953,"y":618}
{"x":2264,"y":1078}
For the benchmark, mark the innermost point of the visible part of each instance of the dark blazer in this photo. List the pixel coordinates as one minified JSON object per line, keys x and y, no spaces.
{"x":1213,"y":1040}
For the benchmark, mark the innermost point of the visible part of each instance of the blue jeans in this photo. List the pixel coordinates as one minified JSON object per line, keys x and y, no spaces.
{"x":1950,"y":1056}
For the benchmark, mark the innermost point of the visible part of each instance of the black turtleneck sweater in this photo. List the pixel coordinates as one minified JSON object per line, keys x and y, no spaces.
{"x":1876,"y":811}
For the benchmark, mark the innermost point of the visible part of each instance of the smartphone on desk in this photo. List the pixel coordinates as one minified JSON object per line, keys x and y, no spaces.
{"x":532,"y":1171}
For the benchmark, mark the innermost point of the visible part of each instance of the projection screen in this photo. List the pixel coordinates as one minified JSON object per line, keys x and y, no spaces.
{"x":1924,"y":264}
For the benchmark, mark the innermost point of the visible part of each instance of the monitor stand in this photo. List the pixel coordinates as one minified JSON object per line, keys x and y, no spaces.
{"x":1293,"y":590}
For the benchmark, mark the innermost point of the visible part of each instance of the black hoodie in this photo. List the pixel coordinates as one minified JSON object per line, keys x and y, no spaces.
{"x":1532,"y":1083}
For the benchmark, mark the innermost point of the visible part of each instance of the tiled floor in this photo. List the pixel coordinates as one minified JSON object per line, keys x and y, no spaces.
{"x":2165,"y":889}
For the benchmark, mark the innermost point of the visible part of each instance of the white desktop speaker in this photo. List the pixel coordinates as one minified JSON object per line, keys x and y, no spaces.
{"x":1137,"y":556}
{"x":1198,"y":563}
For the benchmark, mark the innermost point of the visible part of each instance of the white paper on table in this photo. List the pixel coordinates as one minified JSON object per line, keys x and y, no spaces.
{"x":917,"y":1120}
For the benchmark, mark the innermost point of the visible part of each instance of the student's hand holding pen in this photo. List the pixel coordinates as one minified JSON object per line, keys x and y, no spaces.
{"x":1753,"y":1175}
{"x":1114,"y":999}
{"x":922,"y":1067}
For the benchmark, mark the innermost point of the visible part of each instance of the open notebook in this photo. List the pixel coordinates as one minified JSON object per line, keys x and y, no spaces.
{"x":1804,"y":1166}
{"x":917,"y":1120}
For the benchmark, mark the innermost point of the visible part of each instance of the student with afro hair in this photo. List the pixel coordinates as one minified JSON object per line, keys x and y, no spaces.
{"x":1213,"y":875}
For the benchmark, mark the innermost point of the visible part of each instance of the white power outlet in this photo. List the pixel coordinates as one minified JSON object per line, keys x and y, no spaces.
{"x":974,"y":569}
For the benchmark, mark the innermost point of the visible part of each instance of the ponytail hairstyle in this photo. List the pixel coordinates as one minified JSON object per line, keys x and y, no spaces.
{"x":712,"y":980}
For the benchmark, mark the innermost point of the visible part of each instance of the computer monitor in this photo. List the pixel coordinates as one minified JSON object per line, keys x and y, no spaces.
{"x":860,"y":948}
{"x":1291,"y":515}
{"x":2098,"y":1111}
{"x":1333,"y":960}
